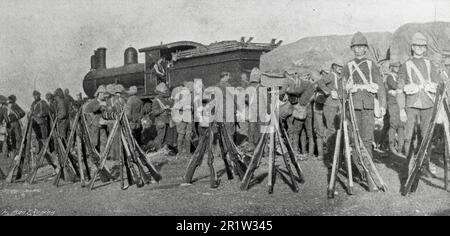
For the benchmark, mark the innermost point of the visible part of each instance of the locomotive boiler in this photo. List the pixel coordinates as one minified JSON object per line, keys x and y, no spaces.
{"x":187,"y":61}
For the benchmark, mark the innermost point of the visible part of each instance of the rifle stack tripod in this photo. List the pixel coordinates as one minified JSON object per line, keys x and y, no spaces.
{"x":78,"y":168}
{"x":361,"y":156}
{"x":227,"y":146}
{"x":417,"y":160}
{"x":273,"y":135}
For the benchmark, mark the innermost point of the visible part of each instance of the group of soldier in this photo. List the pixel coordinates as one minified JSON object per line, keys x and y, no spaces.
{"x":59,"y":105}
{"x":402,"y":96}
{"x":310,"y":108}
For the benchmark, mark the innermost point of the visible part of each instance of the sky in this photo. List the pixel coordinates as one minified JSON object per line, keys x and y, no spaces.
{"x":46,"y":44}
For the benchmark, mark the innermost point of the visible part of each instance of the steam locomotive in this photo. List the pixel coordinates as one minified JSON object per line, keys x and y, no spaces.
{"x":188,"y":61}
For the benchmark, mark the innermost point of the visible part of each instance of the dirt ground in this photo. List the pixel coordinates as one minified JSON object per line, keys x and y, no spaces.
{"x":170,"y":198}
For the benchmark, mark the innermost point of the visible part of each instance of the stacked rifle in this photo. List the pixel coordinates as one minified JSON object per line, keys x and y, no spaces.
{"x":23,"y":155}
{"x":229,"y":151}
{"x":80,"y":161}
{"x":275,"y":136}
{"x":361,"y":155}
{"x":67,"y":167}
{"x":132,"y":163}
{"x":417,"y":160}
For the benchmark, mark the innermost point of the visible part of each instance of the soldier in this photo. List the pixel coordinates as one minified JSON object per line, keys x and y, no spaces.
{"x":227,"y":114}
{"x":300,"y":95}
{"x":332,"y":87}
{"x":114,"y":107}
{"x":396,"y":126}
{"x":185,"y":125}
{"x":254,"y":132}
{"x":52,"y":104}
{"x":159,"y":71}
{"x":94,"y":109}
{"x":13,"y":125}
{"x":364,"y":83}
{"x":134,"y":112}
{"x":70,"y":103}
{"x":161,"y":112}
{"x":39,"y":115}
{"x":62,"y":114}
{"x":418,"y":78}
{"x":319,"y":125}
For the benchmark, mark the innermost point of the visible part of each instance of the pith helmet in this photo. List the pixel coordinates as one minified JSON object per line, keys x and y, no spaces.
{"x":189,"y":85}
{"x":359,"y":39}
{"x":255,"y":76}
{"x":161,"y":88}
{"x":110,"y":88}
{"x":419,"y":39}
{"x":394,"y":64}
{"x":101,"y":89}
{"x":132,"y":90}
{"x":118,"y":88}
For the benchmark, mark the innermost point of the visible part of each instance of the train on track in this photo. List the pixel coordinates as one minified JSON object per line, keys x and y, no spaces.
{"x":187,"y":61}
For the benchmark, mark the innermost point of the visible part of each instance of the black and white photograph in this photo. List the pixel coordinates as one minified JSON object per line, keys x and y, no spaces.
{"x":225,"y":108}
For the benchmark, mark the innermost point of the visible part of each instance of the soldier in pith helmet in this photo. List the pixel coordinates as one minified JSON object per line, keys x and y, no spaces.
{"x":161,"y":111}
{"x":418,"y":78}
{"x":364,"y":83}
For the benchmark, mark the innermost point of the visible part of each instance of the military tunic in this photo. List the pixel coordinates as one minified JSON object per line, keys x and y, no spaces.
{"x":418,"y":106}
{"x":363,"y":100}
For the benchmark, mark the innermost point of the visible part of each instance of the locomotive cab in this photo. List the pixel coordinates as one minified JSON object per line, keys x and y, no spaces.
{"x":168,"y":52}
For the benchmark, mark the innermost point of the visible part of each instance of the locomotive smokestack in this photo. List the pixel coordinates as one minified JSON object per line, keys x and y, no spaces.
{"x":101,"y":58}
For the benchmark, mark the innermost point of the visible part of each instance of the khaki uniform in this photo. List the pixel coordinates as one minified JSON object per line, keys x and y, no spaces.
{"x":14,"y":127}
{"x":302,"y":127}
{"x":319,"y":125}
{"x":396,"y":126}
{"x":419,"y":106}
{"x":331,"y":109}
{"x":116,"y":104}
{"x":363,"y":100}
{"x":134,"y":115}
{"x":40,"y":115}
{"x":98,"y":130}
{"x":62,"y":115}
{"x":162,"y":119}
